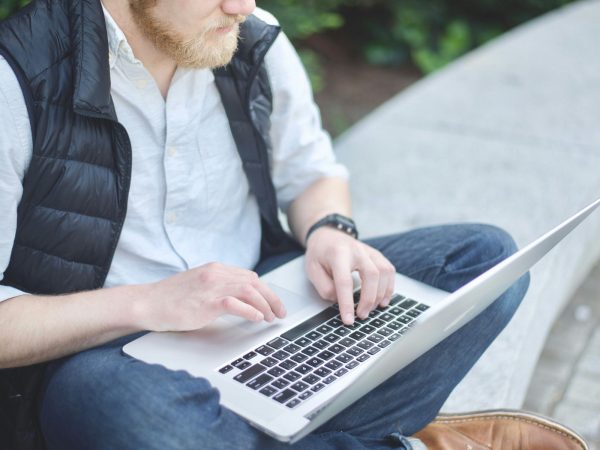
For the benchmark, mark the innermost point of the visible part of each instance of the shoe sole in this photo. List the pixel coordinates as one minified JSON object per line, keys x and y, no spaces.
{"x":511,"y":414}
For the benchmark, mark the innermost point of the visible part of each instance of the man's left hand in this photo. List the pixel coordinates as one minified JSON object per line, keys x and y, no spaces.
{"x":332,"y":256}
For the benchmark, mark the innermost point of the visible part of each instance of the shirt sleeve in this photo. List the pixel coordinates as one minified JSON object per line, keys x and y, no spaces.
{"x":15,"y":155}
{"x":302,"y":150}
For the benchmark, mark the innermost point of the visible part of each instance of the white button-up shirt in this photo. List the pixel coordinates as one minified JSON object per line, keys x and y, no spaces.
{"x":189,"y":201}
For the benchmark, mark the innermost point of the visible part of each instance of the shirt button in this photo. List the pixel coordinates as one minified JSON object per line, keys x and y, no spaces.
{"x":171,"y":218}
{"x":172,"y":151}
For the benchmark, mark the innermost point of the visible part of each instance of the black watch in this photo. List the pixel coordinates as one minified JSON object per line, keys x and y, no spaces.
{"x":337,"y":221}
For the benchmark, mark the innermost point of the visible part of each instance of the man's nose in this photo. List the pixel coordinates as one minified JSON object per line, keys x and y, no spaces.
{"x":242,"y":7}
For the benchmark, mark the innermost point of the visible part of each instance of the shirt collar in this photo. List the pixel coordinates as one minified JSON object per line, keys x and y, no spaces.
{"x":118,"y":47}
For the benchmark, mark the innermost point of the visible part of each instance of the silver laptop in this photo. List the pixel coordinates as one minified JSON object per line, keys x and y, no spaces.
{"x":288,"y":378}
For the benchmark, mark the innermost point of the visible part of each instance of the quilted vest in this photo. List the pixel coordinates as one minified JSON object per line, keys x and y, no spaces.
{"x":76,"y":188}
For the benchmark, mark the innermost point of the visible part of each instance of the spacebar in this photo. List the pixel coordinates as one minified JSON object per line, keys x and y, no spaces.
{"x":309,"y":324}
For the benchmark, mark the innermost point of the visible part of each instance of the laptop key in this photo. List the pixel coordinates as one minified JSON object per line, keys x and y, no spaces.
{"x":264,"y":350}
{"x":304,"y":369}
{"x":299,"y":357}
{"x":292,"y":403}
{"x":331,"y":338}
{"x":336,"y":348}
{"x":404,"y":319}
{"x":396,"y":298}
{"x":394,"y":336}
{"x":280,"y":383}
{"x":377,"y":323}
{"x":269,"y":362}
{"x":314,"y":362}
{"x":305,"y":395}
{"x":302,"y":342}
{"x":299,"y":386}
{"x":363,"y":357}
{"x":317,"y":387}
{"x":341,"y":372}
{"x":280,"y":355}
{"x":377,"y":338}
{"x":422,"y":307}
{"x":333,"y":365}
{"x":309,"y":351}
{"x":276,"y":371}
{"x":344,"y":358}
{"x":324,"y":329}
{"x":374,"y":313}
{"x":321,"y":344}
{"x":396,"y":311}
{"x":259,"y":381}
{"x":250,"y":355}
{"x":322,"y":372}
{"x":284,"y":396}
{"x":311,"y":379}
{"x":243,"y":365}
{"x":292,"y":348}
{"x":385,"y":331}
{"x":357,"y":335}
{"x":367,"y":329}
{"x":413,"y":313}
{"x":287,"y":364}
{"x":394,"y":325}
{"x":277,"y":343}
{"x":237,"y":361}
{"x":268,"y":391}
{"x":408,"y":303}
{"x":292,"y":376}
{"x":225,"y":369}
{"x":249,"y":373}
{"x":342,"y":331}
{"x":335,"y":323}
{"x":365,"y":345}
{"x":325,"y":355}
{"x":347,"y":342}
{"x":386,"y":316}
{"x":351,"y":365}
{"x":329,"y":379}
{"x":373,"y":350}
{"x":384,"y":344}
{"x":355,"y":351}
{"x":314,"y":336}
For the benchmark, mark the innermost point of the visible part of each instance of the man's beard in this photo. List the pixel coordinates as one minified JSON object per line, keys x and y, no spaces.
{"x":207,"y":49}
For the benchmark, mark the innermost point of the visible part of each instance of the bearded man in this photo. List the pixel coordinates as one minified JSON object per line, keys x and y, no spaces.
{"x":145,"y":149}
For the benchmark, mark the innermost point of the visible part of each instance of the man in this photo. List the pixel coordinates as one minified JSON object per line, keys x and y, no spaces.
{"x":143,"y":156}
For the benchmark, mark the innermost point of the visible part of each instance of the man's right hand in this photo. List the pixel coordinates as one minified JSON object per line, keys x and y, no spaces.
{"x":192,"y":299}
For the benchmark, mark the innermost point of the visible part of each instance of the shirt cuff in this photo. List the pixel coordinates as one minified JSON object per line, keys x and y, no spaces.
{"x":7,"y":292}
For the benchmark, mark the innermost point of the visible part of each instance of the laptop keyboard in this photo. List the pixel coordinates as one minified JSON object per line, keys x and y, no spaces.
{"x":316,"y":353}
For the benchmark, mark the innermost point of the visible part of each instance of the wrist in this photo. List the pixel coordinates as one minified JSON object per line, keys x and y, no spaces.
{"x":335,"y":222}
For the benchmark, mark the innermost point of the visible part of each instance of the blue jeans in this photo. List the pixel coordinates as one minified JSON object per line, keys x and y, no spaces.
{"x":103,"y":399}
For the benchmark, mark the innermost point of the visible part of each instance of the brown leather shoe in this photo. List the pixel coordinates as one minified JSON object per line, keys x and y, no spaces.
{"x":498,"y":430}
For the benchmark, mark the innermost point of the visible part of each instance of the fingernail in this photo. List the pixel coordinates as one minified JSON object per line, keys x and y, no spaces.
{"x":259,"y":317}
{"x":282,"y":312}
{"x":348,"y":318}
{"x":386,"y":302}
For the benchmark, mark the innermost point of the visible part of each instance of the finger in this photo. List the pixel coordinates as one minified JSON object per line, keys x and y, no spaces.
{"x":387,"y":275}
{"x":233,"y":305}
{"x":247,"y":293}
{"x":275,"y":303}
{"x":369,"y":276}
{"x":342,"y":279}
{"x":321,"y":280}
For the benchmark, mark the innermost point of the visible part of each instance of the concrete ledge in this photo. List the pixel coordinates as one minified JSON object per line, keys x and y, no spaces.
{"x":506,"y":135}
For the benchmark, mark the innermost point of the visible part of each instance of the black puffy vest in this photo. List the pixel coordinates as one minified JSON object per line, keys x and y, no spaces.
{"x":76,"y":188}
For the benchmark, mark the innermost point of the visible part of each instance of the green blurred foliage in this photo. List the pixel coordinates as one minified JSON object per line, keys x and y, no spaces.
{"x":427,"y":33}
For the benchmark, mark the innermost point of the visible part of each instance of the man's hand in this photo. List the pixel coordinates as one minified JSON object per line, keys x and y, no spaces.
{"x":332,"y":256}
{"x":192,"y":299}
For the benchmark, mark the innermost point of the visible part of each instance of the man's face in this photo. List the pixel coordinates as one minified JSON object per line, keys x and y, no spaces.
{"x":195,"y":33}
